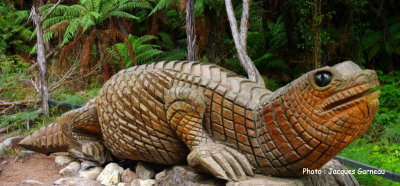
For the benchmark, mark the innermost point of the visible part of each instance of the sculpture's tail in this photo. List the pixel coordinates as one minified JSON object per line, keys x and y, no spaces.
{"x":47,"y":140}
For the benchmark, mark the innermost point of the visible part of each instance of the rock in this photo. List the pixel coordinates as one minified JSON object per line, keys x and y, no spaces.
{"x":267,"y":180}
{"x":86,"y":165}
{"x":4,"y":162}
{"x":64,"y":160}
{"x":32,"y":182}
{"x":76,"y":181}
{"x":111,"y":174}
{"x":91,"y":173}
{"x":331,"y":179}
{"x":144,"y":171}
{"x":27,"y":152}
{"x":161,"y":174}
{"x":139,"y":182}
{"x":9,"y":143}
{"x":184,"y":175}
{"x":12,"y":141}
{"x":128,"y":176}
{"x":71,"y":170}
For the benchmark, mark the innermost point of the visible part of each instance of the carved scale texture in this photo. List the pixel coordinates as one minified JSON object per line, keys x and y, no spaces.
{"x":48,"y":139}
{"x":163,"y":111}
{"x":132,"y":113}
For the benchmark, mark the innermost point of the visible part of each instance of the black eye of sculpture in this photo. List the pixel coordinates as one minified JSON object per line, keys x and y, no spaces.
{"x":323,"y":78}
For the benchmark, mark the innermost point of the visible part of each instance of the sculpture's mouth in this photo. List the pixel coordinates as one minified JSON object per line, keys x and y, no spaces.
{"x":351,"y":97}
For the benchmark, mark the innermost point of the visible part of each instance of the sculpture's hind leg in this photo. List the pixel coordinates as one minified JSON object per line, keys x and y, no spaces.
{"x":185,"y":111}
{"x":82,"y":128}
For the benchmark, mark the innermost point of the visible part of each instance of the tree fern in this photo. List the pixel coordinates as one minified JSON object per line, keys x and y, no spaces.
{"x":87,"y":22}
{"x":56,"y":20}
{"x":70,"y":32}
{"x":123,"y":15}
{"x":88,"y":13}
{"x":144,"y":53}
{"x":135,"y":4}
{"x":161,"y":5}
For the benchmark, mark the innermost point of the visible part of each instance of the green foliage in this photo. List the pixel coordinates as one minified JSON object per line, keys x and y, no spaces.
{"x":12,"y":72}
{"x":162,"y":4}
{"x":18,"y":118}
{"x":171,"y":51}
{"x":76,"y":98}
{"x":71,"y":99}
{"x":271,"y":84}
{"x":87,"y":14}
{"x":144,"y":52}
{"x":382,"y":154}
{"x":386,"y":123}
{"x":273,"y":59}
{"x":380,"y":146}
{"x":12,"y":152}
{"x":376,"y":42}
{"x":14,"y":36}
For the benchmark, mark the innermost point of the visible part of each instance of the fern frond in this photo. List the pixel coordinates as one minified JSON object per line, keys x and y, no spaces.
{"x":58,"y":29}
{"x":144,"y":47}
{"x":64,"y":10}
{"x":134,"y":4}
{"x":21,"y":16}
{"x":47,"y":36}
{"x":87,"y":22}
{"x":123,"y":15}
{"x":54,"y":20}
{"x":25,"y":34}
{"x":147,"y":55}
{"x":161,"y":5}
{"x":143,"y":39}
{"x":70,"y":32}
{"x":104,"y":6}
{"x":34,"y":49}
{"x":33,"y":35}
{"x":167,"y":41}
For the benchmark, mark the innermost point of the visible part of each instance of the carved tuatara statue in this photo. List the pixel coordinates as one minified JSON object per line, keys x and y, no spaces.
{"x":220,"y":122}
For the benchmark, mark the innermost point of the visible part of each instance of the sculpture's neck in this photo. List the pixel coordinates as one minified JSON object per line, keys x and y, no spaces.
{"x":292,"y":136}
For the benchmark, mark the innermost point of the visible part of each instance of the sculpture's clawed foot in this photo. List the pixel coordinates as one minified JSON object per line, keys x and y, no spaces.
{"x":221,"y":161}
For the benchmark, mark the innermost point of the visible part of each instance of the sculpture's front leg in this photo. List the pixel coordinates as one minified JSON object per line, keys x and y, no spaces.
{"x":185,"y":111}
{"x":83,"y":131}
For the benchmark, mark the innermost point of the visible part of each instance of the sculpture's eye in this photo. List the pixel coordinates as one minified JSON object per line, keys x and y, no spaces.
{"x":323,"y":78}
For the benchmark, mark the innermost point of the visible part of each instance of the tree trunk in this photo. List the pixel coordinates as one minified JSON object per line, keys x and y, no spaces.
{"x":41,"y":53}
{"x":240,"y":40}
{"x":316,"y":22}
{"x":190,"y":30}
{"x":41,"y":60}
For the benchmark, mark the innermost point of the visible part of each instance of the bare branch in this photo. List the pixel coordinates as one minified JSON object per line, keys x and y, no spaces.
{"x":52,"y":52}
{"x":66,"y":76}
{"x":232,"y":20}
{"x":6,"y":106}
{"x":244,"y":23}
{"x":51,"y":10}
{"x":240,"y":41}
{"x":41,"y":60}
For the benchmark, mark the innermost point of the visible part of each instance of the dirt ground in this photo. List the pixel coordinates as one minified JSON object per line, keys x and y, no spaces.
{"x":33,"y":167}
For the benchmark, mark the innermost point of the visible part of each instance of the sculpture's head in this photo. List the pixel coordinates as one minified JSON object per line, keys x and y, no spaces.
{"x":326,"y":109}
